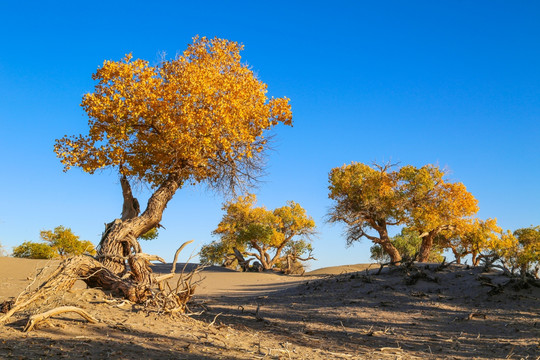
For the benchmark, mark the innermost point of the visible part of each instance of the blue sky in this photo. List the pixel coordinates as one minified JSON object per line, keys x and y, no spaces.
{"x":455,"y":83}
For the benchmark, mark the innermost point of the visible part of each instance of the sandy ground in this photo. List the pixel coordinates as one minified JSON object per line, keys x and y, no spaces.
{"x":334,"y":313}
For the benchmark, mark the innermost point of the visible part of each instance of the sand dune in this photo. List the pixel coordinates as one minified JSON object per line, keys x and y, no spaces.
{"x":355,"y":314}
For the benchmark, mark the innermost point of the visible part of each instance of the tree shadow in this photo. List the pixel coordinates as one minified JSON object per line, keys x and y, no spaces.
{"x":360,"y":314}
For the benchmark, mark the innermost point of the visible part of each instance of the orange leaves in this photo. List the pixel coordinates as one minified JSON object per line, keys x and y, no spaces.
{"x":248,"y":227}
{"x":202,"y":115}
{"x":519,"y":251}
{"x":378,"y":196}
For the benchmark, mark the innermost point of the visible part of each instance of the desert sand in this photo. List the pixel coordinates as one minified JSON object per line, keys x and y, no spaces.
{"x":344,"y":312}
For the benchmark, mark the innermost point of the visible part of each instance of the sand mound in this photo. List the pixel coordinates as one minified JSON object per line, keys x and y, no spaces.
{"x":358,"y":315}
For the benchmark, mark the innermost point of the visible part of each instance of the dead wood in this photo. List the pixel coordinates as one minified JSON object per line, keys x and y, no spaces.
{"x":137,"y":286}
{"x":173,"y":269}
{"x":244,"y":264}
{"x":391,"y":263}
{"x":35,"y":319}
{"x":443,"y":265}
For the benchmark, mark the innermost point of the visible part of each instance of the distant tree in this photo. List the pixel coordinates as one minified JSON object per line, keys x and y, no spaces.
{"x":273,"y":237}
{"x":368,"y":198}
{"x":60,"y":242}
{"x":2,"y":250}
{"x":519,"y":252}
{"x":408,"y":244}
{"x":65,"y":243}
{"x":371,"y":199}
{"x":470,"y":238}
{"x":199,"y":118}
{"x":33,"y":250}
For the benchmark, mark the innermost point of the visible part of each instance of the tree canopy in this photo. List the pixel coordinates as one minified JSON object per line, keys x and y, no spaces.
{"x":271,"y":236}
{"x":435,"y":205}
{"x":200,"y":116}
{"x":371,"y":199}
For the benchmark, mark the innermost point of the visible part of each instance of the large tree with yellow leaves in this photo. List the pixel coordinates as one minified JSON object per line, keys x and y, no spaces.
{"x":371,"y":199}
{"x":199,"y":118}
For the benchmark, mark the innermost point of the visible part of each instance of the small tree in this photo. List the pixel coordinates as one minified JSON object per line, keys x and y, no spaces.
{"x":519,"y":252}
{"x":65,"y":243}
{"x":272,"y":237}
{"x":33,"y":250}
{"x":408,"y":243}
{"x":60,"y":242}
{"x":471,"y":238}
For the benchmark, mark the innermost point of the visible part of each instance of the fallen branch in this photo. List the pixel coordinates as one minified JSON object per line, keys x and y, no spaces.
{"x":35,"y":319}
{"x":173,"y":269}
{"x":444,"y":264}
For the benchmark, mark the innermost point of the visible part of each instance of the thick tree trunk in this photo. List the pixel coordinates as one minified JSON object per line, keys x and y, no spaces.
{"x":119,"y":248}
{"x":386,"y":244}
{"x":426,"y":246}
{"x":391,"y":250}
{"x":384,"y":240}
{"x":475,"y":258}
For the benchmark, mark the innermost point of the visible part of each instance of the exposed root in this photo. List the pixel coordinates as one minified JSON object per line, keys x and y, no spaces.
{"x":139,"y":287}
{"x":173,"y":300}
{"x":35,"y":319}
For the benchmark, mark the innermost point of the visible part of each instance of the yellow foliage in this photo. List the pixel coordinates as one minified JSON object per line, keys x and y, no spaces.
{"x":519,"y":251}
{"x":198,"y":116}
{"x":247,"y":227}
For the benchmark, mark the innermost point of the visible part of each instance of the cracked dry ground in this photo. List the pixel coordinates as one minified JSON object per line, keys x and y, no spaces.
{"x":443,"y":315}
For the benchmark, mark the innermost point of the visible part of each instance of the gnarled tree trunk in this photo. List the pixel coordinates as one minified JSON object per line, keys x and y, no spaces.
{"x":119,"y":250}
{"x":426,"y":246}
{"x":385,"y":242}
{"x":427,"y":241}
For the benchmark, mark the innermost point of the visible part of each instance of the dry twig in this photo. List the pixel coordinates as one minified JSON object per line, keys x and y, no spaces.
{"x":35,"y":319}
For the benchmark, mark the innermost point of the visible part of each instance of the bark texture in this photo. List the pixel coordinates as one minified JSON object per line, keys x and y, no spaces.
{"x":119,"y":250}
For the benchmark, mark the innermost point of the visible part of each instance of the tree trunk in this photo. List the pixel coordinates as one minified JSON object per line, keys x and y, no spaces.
{"x":475,"y":258}
{"x":384,"y":240}
{"x":457,"y":255}
{"x":387,"y":246}
{"x":426,"y":246}
{"x":119,"y":248}
{"x":391,"y":250}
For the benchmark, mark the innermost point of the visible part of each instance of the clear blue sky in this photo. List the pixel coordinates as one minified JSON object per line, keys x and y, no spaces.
{"x":455,"y":83}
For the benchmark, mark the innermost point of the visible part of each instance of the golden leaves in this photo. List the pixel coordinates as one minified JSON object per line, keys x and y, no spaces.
{"x":193,"y":115}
